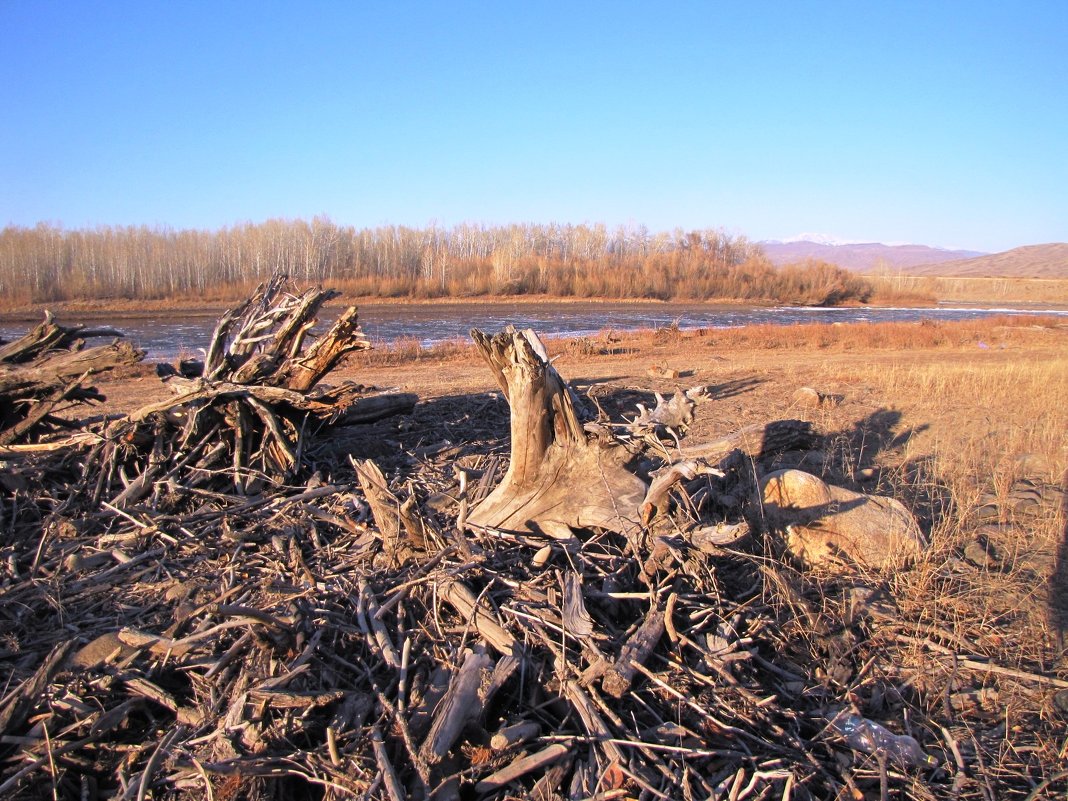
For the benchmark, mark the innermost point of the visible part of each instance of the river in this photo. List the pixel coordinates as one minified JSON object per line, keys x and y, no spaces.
{"x":165,"y":336}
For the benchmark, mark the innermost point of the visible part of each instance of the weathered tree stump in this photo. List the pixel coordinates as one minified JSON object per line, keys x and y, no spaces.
{"x":558,"y":474}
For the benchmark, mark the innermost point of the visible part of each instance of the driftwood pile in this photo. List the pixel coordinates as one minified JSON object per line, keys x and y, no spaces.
{"x":195,"y":608}
{"x":240,"y":422}
{"x":47,"y":370}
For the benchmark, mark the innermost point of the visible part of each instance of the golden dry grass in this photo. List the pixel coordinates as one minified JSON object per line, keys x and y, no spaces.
{"x":915,"y":288}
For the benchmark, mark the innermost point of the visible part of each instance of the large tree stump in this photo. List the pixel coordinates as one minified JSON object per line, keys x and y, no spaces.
{"x":558,"y":474}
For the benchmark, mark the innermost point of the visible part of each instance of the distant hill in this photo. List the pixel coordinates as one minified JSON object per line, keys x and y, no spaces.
{"x":863,"y":257}
{"x":1032,"y":261}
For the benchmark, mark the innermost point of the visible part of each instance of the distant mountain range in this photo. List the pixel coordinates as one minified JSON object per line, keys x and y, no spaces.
{"x":863,"y":256}
{"x":1031,"y":261}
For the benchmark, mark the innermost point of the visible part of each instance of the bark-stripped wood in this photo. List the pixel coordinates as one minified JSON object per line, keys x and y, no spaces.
{"x":556,"y":472}
{"x":522,"y":766}
{"x":757,"y":440}
{"x":48,"y":335}
{"x":458,"y":707}
{"x":635,"y":650}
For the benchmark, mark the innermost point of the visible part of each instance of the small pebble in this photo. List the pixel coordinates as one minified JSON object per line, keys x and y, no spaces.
{"x":542,"y":556}
{"x":979,"y":555}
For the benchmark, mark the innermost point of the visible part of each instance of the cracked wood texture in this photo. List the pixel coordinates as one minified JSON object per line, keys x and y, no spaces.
{"x":557,"y":473}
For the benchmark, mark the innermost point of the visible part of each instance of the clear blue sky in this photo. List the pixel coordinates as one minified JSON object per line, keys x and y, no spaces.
{"x":943,"y":123}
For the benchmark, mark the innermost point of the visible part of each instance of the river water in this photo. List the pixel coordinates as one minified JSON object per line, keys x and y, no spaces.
{"x":165,"y":336}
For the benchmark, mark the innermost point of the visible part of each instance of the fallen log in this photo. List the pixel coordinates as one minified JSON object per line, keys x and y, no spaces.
{"x":49,"y":335}
{"x":757,"y":441}
{"x":60,"y":367}
{"x":49,"y":369}
{"x":635,"y":651}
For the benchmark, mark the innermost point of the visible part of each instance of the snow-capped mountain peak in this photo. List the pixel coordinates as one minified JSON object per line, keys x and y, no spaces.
{"x":821,"y":239}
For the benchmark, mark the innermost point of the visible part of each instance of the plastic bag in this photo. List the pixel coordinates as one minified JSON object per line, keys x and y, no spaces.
{"x":873,"y":738}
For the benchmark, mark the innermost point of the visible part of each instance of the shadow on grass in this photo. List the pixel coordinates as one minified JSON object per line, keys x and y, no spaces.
{"x":739,"y":386}
{"x":876,"y":433}
{"x":855,"y":453}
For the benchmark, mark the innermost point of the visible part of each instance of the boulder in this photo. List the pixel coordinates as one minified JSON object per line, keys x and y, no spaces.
{"x":809,"y":398}
{"x":827,"y":526}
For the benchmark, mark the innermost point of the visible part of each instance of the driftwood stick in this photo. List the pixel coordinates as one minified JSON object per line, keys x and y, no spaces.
{"x":656,"y":499}
{"x":577,"y":621}
{"x":145,"y":781}
{"x":459,"y":705}
{"x":1021,"y":675}
{"x":284,"y":453}
{"x":592,"y":721}
{"x":514,"y":734}
{"x":635,"y":650}
{"x":375,"y":407}
{"x":393,"y":785}
{"x":474,"y":611}
{"x":502,"y":671}
{"x":521,"y":767}
{"x":378,"y":628}
{"x":385,"y":507}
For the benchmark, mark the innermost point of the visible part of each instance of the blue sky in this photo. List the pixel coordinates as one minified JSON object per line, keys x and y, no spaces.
{"x":943,"y":123}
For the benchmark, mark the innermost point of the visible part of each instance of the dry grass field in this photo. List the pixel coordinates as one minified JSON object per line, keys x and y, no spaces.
{"x":967,"y":289}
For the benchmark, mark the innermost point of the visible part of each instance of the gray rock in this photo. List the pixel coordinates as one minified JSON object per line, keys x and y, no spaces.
{"x":832,"y":526}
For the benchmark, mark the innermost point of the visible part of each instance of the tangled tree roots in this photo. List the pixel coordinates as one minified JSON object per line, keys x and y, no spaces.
{"x":48,"y":369}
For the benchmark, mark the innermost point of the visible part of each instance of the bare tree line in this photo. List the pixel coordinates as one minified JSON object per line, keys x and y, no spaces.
{"x":48,"y":263}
